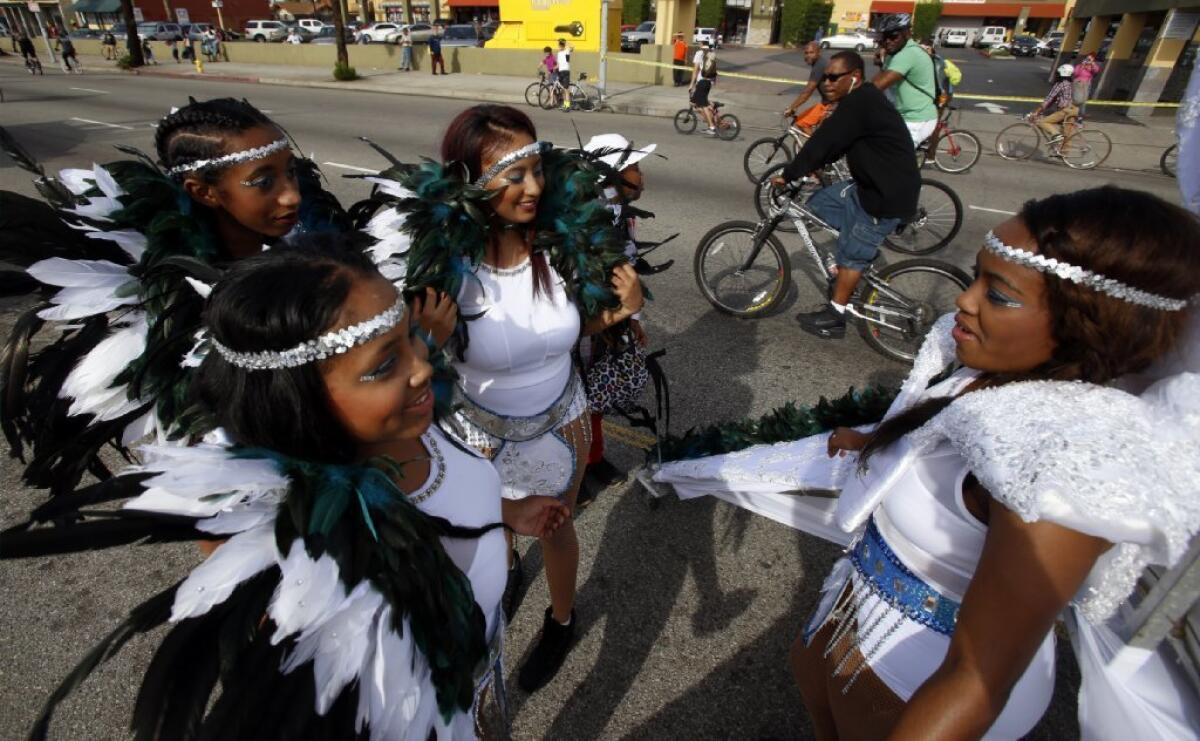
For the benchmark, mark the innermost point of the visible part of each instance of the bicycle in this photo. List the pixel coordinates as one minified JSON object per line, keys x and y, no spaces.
{"x":936,"y":223}
{"x":33,"y":66}
{"x":952,"y":150}
{"x":1082,"y":149}
{"x":728,"y":125}
{"x":1169,"y":159}
{"x":580,"y":95}
{"x":772,"y":151}
{"x":534,"y":91}
{"x":743,"y":270}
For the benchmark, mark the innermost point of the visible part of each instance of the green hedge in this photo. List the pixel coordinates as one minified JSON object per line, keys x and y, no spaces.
{"x":635,"y":11}
{"x":925,"y":20}
{"x":801,"y":19}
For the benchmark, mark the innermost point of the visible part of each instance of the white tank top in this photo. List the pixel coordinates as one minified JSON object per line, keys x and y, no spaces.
{"x":465,"y":489}
{"x":518,"y":357}
{"x":924,"y":520}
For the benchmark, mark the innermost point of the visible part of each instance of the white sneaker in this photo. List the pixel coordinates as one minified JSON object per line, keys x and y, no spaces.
{"x":710,"y":132}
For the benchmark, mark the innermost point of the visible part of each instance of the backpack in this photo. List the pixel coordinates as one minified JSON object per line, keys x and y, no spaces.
{"x":708,"y":69}
{"x":953,"y":73}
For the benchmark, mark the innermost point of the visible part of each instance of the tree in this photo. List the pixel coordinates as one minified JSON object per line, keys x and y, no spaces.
{"x":801,"y":19}
{"x":339,"y":29}
{"x":709,"y":13}
{"x":635,"y":11}
{"x":132,"y":42}
{"x":925,"y":19}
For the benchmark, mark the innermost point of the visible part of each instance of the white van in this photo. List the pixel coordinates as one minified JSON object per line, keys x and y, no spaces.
{"x":989,"y":36}
{"x":312,"y":25}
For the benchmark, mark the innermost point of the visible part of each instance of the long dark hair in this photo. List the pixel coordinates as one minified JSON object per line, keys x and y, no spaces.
{"x":477,"y":131}
{"x":1128,"y":235}
{"x":274,"y":301}
{"x":199,"y":130}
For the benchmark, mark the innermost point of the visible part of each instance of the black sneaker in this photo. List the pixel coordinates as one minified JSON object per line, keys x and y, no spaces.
{"x":826,"y":323}
{"x":512,"y":588}
{"x":548,"y":655}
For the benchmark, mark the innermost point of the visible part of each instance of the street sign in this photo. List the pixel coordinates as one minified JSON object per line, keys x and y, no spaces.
{"x":137,"y":15}
{"x":218,"y":4}
{"x":33,"y":7}
{"x":181,"y":15}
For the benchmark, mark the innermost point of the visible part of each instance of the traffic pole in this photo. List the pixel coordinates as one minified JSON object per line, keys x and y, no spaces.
{"x":603,"y":86}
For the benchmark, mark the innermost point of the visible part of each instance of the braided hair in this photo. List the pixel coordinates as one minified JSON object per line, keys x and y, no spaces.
{"x":198,"y":130}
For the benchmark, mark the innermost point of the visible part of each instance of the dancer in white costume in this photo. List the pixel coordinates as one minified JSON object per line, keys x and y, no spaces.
{"x":1058,"y":460}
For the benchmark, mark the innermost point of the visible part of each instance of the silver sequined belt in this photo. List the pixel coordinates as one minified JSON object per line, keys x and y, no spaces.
{"x":519,"y":429}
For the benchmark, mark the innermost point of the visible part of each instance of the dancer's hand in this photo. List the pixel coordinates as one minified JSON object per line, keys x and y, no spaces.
{"x":436,"y":313}
{"x":535,"y":516}
{"x":845,"y":439}
{"x":628,"y":288}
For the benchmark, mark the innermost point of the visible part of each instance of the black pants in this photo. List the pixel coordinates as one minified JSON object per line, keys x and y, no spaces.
{"x":680,"y":72}
{"x":435,"y":61}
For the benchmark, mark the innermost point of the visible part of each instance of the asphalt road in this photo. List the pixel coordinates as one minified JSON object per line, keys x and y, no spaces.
{"x":686,"y":609}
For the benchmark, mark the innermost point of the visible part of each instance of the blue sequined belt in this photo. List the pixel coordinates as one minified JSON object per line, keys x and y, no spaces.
{"x":894,"y":583}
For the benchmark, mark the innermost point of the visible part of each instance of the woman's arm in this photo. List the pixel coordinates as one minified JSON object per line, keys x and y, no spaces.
{"x":628,"y":288}
{"x":1027,"y":574}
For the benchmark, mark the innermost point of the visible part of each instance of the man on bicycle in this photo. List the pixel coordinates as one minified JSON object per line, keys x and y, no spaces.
{"x":911,"y":71}
{"x":704,"y":74}
{"x":1061,"y":106}
{"x":869,"y":132}
{"x":815,"y":115}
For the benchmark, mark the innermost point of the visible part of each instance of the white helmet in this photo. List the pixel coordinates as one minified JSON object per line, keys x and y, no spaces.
{"x":1066,"y":70}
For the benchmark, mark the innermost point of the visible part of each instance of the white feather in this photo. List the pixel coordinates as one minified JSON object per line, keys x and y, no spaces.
{"x":201,"y":288}
{"x":242,"y":517}
{"x":205,"y":480}
{"x":77,"y":181}
{"x":105,"y":182}
{"x":338,"y":647}
{"x":211,"y":583}
{"x":391,"y":187}
{"x":58,"y":271}
{"x":401,"y":702}
{"x":307,"y":594}
{"x":133,"y":242}
{"x":97,"y":208}
{"x":77,"y":303}
{"x":139,"y":428}
{"x":89,"y":384}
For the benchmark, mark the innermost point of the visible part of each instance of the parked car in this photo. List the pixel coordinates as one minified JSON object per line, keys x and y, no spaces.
{"x":705,"y":36}
{"x":377,"y":33}
{"x":1050,"y":48}
{"x":1044,"y":43}
{"x":637,"y":38}
{"x":626,"y":27}
{"x":990,"y":36}
{"x":1023,"y":46}
{"x":159,"y":31}
{"x":955,"y":37}
{"x":312,"y":25}
{"x":262,"y":31}
{"x":195,"y":31}
{"x":855,"y":40}
{"x":76,"y":33}
{"x":328,"y":35}
{"x":460,"y":34}
{"x":420,"y":33}
{"x":305,"y":34}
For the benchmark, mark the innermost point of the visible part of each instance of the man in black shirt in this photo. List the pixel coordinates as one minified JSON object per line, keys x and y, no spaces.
{"x":867,"y":130}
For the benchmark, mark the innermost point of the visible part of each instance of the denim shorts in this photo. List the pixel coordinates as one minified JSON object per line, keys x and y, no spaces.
{"x":859,"y":233}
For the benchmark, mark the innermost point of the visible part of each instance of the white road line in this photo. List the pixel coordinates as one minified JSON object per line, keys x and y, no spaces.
{"x":102,"y":123}
{"x":89,"y":90}
{"x":993,"y":210}
{"x":352,"y":167}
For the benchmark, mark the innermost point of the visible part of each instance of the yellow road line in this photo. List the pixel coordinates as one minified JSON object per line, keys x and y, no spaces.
{"x":964,"y":96}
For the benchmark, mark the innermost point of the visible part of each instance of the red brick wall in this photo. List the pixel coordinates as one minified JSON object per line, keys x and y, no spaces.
{"x":235,"y":13}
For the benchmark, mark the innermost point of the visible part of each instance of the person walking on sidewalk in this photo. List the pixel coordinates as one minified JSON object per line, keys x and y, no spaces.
{"x":435,"y":51}
{"x":910,"y":70}
{"x":679,"y":55}
{"x":1081,"y":82}
{"x":173,"y":45}
{"x":108,"y":46}
{"x":405,"y":42}
{"x":815,"y":115}
{"x":148,"y":52}
{"x":67,"y":47}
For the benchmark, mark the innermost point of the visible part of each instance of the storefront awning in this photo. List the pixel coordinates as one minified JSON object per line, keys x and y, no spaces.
{"x":474,"y":3}
{"x":977,"y":10}
{"x":97,"y":6}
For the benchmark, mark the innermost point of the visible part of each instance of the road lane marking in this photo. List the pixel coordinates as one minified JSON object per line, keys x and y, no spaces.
{"x":102,"y":123}
{"x":89,"y":90}
{"x":352,"y":167}
{"x":993,"y":210}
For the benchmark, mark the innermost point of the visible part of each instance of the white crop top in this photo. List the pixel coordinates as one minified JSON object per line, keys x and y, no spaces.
{"x":518,"y":358}
{"x":465,"y":489}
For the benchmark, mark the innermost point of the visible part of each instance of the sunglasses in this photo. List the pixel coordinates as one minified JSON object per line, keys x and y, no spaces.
{"x":834,"y":76}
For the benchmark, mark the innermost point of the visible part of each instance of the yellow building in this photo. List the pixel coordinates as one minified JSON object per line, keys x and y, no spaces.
{"x":533,"y":24}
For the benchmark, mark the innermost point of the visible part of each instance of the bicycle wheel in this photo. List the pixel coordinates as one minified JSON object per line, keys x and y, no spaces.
{"x":909,"y":296}
{"x":764,"y":154}
{"x":1018,"y":141}
{"x":937,"y":221}
{"x":532,"y":92}
{"x":767,"y":199}
{"x":957,"y":151}
{"x":685,"y":121}
{"x":1169,"y":160}
{"x":723,"y":280}
{"x":1085,"y":149}
{"x":728,"y":127}
{"x":547,"y":98}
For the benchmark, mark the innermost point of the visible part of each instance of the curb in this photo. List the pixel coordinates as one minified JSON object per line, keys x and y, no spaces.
{"x":195,"y":76}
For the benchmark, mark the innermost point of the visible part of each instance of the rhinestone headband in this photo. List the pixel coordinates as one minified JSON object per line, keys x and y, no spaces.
{"x":232,"y":158}
{"x":1083,"y":277}
{"x":327,"y":345}
{"x":502,"y":164}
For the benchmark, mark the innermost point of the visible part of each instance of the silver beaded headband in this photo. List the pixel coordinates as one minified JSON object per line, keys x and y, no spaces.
{"x":329,"y":344}
{"x":1079,"y":275}
{"x":503,"y":163}
{"x":233,"y":158}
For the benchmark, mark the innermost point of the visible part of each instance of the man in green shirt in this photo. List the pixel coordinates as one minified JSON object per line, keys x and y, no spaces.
{"x":910,"y":72}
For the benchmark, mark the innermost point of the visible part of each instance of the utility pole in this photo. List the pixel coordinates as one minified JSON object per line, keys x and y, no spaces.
{"x":603,"y":86}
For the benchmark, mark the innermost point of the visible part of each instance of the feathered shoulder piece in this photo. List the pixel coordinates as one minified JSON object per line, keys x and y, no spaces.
{"x":448,"y":221}
{"x":119,"y":258}
{"x":332,"y":610}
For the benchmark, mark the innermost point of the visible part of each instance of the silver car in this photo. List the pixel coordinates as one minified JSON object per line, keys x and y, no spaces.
{"x":265,"y":31}
{"x":159,"y":31}
{"x":420,"y":33}
{"x":460,"y":34}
